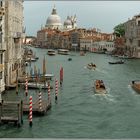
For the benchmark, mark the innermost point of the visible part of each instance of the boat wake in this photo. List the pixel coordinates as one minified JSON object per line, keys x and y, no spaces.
{"x":102,"y":71}
{"x":130,"y":89}
{"x":107,"y":96}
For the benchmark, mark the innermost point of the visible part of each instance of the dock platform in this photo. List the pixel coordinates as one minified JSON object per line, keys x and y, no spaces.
{"x":36,"y":109}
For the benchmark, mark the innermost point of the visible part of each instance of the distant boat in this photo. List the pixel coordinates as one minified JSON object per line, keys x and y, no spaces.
{"x":51,"y":52}
{"x":82,"y":53}
{"x":126,"y":57}
{"x":91,"y":66}
{"x":63,"y":51}
{"x":69,"y":59}
{"x":136,"y":85}
{"x":99,"y":52}
{"x":99,"y":87}
{"x":117,"y":62}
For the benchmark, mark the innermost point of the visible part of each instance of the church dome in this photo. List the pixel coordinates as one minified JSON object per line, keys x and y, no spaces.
{"x":67,"y":22}
{"x":53,"y":19}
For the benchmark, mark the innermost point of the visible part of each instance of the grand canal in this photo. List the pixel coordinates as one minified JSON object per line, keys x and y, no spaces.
{"x":80,"y":113}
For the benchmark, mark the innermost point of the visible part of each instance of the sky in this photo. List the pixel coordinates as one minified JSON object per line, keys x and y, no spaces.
{"x":104,"y":15}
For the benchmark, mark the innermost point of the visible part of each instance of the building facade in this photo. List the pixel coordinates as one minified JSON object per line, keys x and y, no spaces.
{"x":2,"y":45}
{"x":132,"y":36}
{"x":13,"y":38}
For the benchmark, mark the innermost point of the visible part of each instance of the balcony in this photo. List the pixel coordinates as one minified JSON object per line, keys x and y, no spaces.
{"x":1,"y":67}
{"x":2,"y":11}
{"x":2,"y":50}
{"x":17,"y":35}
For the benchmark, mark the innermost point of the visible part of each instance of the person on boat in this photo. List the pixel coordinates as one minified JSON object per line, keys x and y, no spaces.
{"x":102,"y":84}
{"x":94,"y":65}
{"x":97,"y":84}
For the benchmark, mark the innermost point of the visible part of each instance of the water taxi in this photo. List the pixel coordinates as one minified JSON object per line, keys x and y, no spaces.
{"x":136,"y":85}
{"x":99,"y":87}
{"x":63,"y":51}
{"x":91,"y":66}
{"x":51,"y":52}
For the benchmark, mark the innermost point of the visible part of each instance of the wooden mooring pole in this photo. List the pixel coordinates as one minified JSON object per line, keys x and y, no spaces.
{"x":26,"y":85}
{"x":61,"y":76}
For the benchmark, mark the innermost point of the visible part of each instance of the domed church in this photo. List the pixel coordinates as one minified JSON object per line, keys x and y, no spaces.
{"x":54,"y":22}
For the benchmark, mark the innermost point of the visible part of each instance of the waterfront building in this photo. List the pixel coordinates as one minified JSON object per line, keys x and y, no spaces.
{"x":102,"y":46}
{"x":45,"y":37}
{"x":13,"y":37}
{"x":132,"y":36}
{"x":94,"y":41}
{"x":2,"y":45}
{"x":86,"y":43}
{"x":75,"y":36}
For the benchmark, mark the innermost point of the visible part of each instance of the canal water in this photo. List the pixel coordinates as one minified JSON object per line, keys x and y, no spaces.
{"x":80,"y":113}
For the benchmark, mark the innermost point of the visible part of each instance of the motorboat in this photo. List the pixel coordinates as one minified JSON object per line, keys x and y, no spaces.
{"x":136,"y":85}
{"x":91,"y":66}
{"x":99,"y":87}
{"x":63,"y":51}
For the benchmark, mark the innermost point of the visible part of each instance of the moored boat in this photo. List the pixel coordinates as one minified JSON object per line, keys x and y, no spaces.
{"x":99,"y":87}
{"x":117,"y":62}
{"x":33,"y":85}
{"x":126,"y":57}
{"x":136,"y":85}
{"x":51,"y":52}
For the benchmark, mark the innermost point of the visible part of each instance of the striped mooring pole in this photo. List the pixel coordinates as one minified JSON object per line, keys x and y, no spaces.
{"x":26,"y":85}
{"x":56,"y":89}
{"x":40,"y":101}
{"x":49,"y":97}
{"x":30,"y":110}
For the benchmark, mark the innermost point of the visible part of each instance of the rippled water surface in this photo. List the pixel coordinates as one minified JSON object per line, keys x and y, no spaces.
{"x":80,"y":113}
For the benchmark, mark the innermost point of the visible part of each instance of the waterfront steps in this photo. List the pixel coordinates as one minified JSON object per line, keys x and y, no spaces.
{"x":11,"y":111}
